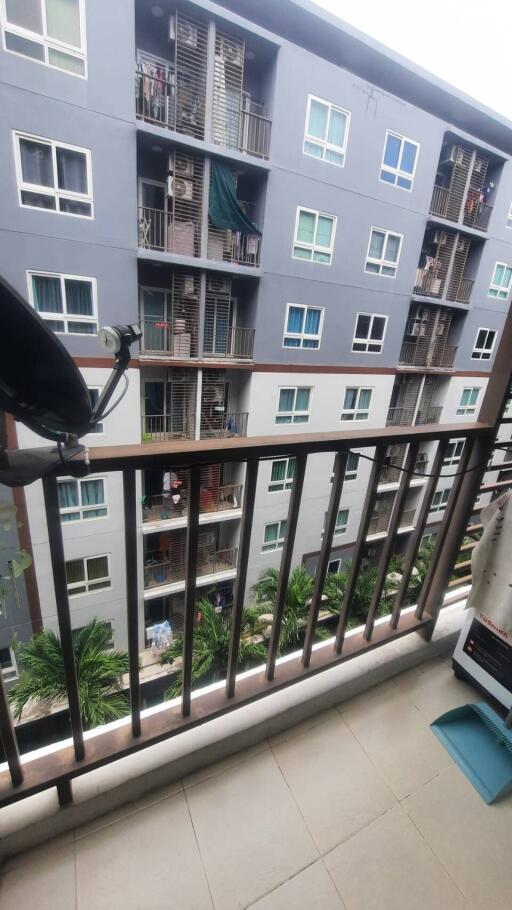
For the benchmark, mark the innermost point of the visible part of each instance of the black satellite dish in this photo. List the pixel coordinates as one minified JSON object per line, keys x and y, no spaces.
{"x":41,"y":386}
{"x":39,"y":381}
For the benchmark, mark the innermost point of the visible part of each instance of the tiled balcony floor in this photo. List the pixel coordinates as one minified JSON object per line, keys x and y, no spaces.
{"x":359,"y":808}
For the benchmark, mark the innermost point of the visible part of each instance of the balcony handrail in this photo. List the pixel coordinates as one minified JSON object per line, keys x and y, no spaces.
{"x":225,"y":245}
{"x":141,"y":729}
{"x":427,"y":353}
{"x":238,"y":343}
{"x":227,"y":496}
{"x":158,"y":572}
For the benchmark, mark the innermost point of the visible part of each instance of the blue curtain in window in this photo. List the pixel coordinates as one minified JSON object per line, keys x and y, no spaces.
{"x":92,"y":492}
{"x":47,"y":295}
{"x":302,"y":401}
{"x":286,"y":397}
{"x":392,"y":151}
{"x":79,"y":297}
{"x":295,"y":319}
{"x":68,"y":494}
{"x":317,"y":125}
{"x":312,"y":325}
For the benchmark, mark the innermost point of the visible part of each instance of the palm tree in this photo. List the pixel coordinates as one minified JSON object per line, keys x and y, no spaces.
{"x":99,"y":668}
{"x":296,"y":606}
{"x":211,"y":647}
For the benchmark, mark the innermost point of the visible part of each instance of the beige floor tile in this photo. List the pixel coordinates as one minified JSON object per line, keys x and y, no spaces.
{"x":388,"y":866}
{"x":225,"y":764}
{"x":131,"y":808}
{"x":311,"y":889}
{"x":397,"y":738}
{"x":250,"y":832}
{"x":335,"y":784}
{"x":472,"y":839}
{"x":436,"y":691}
{"x":304,"y":725}
{"x":148,"y":860}
{"x":43,"y":878}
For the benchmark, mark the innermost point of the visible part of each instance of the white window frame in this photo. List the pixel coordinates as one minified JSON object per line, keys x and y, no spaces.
{"x":383,"y":263}
{"x":482,"y":353}
{"x":351,"y":474}
{"x":334,"y":562}
{"x":80,"y":507}
{"x":439,"y":500}
{"x":351,"y":413}
{"x":65,"y":317}
{"x":46,"y":41}
{"x":314,"y":247}
{"x":340,"y":529}
{"x":303,"y":336}
{"x":282,"y":486}
{"x":429,"y":537}
{"x":293,"y":414}
{"x":465,"y":409}
{"x":97,"y":432}
{"x":397,"y":170}
{"x":368,"y":341}
{"x":54,"y":191}
{"x":323,"y":143}
{"x":10,"y":673}
{"x":278,"y":543}
{"x":452,"y":459}
{"x":501,"y":293}
{"x":86,"y":582}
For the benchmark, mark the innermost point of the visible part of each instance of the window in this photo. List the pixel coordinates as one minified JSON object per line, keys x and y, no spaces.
{"x":87,"y":575}
{"x":8,"y":666}
{"x":48,"y":31}
{"x":341,"y":521}
{"x":66,"y":302}
{"x":383,"y":252}
{"x":369,"y":333}
{"x":399,"y":161}
{"x":356,"y":405}
{"x":453,"y":452}
{"x":326,"y":132}
{"x":94,"y":394}
{"x":352,"y":466}
{"x":53,"y":176}
{"x":303,"y":326}
{"x":509,"y":217}
{"x":293,"y":406}
{"x":281,"y":477}
{"x":334,"y":566}
{"x":429,"y":538}
{"x":314,"y":236}
{"x":468,"y":401}
{"x":80,"y":500}
{"x":484,"y":344}
{"x":501,"y":281}
{"x":273,"y":537}
{"x":439,"y":500}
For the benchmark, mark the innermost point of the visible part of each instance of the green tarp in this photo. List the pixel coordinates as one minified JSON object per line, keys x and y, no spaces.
{"x":225,"y":210}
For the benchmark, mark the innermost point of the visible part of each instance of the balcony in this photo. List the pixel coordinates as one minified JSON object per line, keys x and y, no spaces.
{"x":391,"y":473}
{"x":234,"y":343}
{"x":223,"y":425}
{"x":429,"y":355}
{"x":379,"y":523}
{"x":211,"y":562}
{"x":230,"y":246}
{"x":404,"y":416}
{"x":476,"y":214}
{"x":161,"y":507}
{"x":428,"y":285}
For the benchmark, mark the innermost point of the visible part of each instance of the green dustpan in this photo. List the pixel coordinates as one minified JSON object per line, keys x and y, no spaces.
{"x":481,"y":745}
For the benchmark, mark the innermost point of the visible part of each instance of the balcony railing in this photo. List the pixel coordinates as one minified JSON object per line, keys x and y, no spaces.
{"x":162,"y":427}
{"x":229,"y":424}
{"x":404,"y":417}
{"x":460,"y":291}
{"x":231,"y":246}
{"x":155,"y":100}
{"x":141,"y":729}
{"x":476,"y":214}
{"x":254,"y":133}
{"x":162,"y":337}
{"x":209,"y":562}
{"x":221,"y":499}
{"x":157,"y":230}
{"x":379,"y":524}
{"x":434,"y":355}
{"x":236,"y":344}
{"x":391,"y":472}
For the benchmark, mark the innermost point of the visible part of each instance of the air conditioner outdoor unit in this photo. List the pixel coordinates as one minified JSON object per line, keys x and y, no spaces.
{"x":440,"y":238}
{"x":187,"y":33}
{"x":184,"y":166}
{"x":183,"y":189}
{"x":231,"y":52}
{"x":455,"y":155}
{"x":219,"y":285}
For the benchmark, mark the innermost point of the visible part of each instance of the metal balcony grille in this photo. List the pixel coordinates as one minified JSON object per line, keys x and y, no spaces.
{"x":170,"y":317}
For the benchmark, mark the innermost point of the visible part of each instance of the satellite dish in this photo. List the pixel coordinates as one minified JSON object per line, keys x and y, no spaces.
{"x":41,"y":386}
{"x":39,"y":382}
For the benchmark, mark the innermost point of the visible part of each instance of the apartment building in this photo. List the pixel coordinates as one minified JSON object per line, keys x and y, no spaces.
{"x":308,"y":237}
